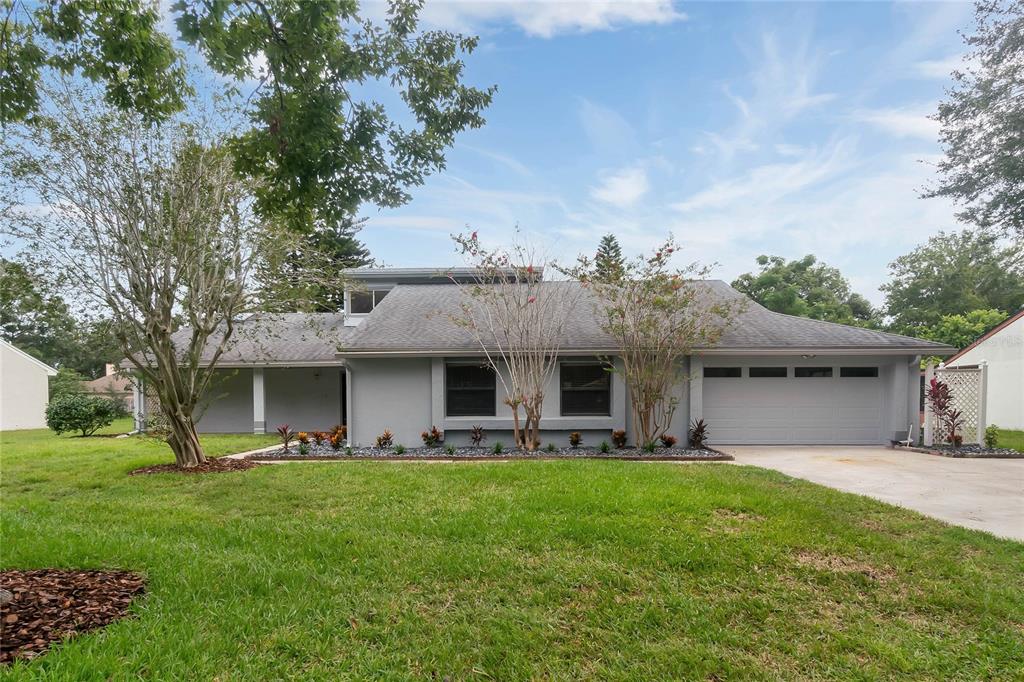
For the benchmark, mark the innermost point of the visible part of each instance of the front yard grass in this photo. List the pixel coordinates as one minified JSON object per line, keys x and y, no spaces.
{"x":1011,"y":439}
{"x":497,"y":571}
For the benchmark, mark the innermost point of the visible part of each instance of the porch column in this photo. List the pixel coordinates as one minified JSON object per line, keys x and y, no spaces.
{"x":696,"y":390}
{"x":139,"y":398}
{"x":259,"y":424}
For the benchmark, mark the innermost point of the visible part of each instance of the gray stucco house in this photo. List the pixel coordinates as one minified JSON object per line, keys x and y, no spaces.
{"x":394,"y":360}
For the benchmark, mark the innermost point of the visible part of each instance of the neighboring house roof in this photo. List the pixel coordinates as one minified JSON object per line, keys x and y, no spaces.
{"x":987,"y":335}
{"x":417,"y":319}
{"x":111,"y":383}
{"x":428,"y":275}
{"x":50,"y":371}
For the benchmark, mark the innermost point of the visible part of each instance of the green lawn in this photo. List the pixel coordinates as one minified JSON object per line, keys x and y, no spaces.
{"x":1011,"y":439}
{"x":498,"y":571}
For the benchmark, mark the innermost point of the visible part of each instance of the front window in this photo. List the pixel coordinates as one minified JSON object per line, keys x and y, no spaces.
{"x":586,"y":389}
{"x":469,"y":391}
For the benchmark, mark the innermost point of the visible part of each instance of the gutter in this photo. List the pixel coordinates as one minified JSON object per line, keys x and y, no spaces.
{"x":813,"y":351}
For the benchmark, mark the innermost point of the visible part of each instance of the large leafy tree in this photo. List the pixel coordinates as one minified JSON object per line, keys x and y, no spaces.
{"x":953,"y":274}
{"x":981,"y":118}
{"x":962,"y":330}
{"x":319,"y":141}
{"x":35,"y":317}
{"x":806,"y":288}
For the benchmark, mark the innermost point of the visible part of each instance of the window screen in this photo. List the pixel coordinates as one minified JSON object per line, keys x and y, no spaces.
{"x":586,"y":389}
{"x":361,"y":302}
{"x":469,"y":391}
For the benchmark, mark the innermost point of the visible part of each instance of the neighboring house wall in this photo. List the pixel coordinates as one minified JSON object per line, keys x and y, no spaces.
{"x":23,"y":390}
{"x":1004,"y":354}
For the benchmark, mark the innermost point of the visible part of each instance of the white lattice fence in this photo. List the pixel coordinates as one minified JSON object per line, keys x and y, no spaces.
{"x":967,"y":389}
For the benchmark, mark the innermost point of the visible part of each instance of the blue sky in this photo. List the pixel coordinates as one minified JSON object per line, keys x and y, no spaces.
{"x":742,"y":128}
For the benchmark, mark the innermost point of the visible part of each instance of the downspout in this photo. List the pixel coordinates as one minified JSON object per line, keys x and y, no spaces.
{"x":348,"y":405}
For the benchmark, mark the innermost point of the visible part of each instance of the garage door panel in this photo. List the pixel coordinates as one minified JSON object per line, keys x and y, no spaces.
{"x":793,"y":410}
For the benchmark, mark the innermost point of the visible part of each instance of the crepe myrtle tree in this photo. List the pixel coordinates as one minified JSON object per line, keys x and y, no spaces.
{"x":150,"y":224}
{"x":519,"y":322}
{"x":656,"y":314}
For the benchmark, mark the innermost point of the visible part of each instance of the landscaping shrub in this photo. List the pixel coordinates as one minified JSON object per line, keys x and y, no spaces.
{"x":340,"y":430}
{"x":551,"y":447}
{"x":303,"y":448}
{"x":940,"y":399}
{"x":649,"y":447}
{"x":450,"y":449}
{"x":668,"y":441}
{"x":991,"y":436}
{"x":348,"y":451}
{"x":319,"y":437}
{"x":477,"y":435}
{"x":604,"y":447}
{"x":698,"y":434}
{"x":385,"y":439}
{"x":575,"y":438}
{"x":303,"y":438}
{"x":399,"y":449}
{"x":80,"y":412}
{"x":286,"y":434}
{"x":498,"y":447}
{"x":432,"y":438}
{"x":336,"y":441}
{"x":619,"y":438}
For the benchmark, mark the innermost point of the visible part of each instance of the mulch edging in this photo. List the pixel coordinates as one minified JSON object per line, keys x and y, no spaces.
{"x":48,"y":605}
{"x":213,"y":465}
{"x":967,"y":454}
{"x":512,"y":455}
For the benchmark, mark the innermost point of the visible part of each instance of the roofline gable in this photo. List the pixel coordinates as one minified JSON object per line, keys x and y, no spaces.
{"x":50,"y":371}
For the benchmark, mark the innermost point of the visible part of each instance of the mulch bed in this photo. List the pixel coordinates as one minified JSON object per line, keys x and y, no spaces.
{"x":49,"y":605}
{"x":969,"y":451}
{"x":469,"y":453}
{"x":213,"y":465}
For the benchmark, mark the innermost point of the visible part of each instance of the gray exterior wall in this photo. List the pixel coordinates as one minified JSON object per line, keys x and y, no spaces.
{"x":389,"y":393}
{"x":305,"y":398}
{"x":228,"y":407}
{"x":407,"y":396}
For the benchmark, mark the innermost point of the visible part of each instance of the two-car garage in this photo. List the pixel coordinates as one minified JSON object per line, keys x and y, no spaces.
{"x":803,"y":400}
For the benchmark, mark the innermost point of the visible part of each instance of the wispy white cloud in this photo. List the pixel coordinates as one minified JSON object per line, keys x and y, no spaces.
{"x":605,"y":128}
{"x":548,"y":19}
{"x":939,"y":68}
{"x":623,"y":187}
{"x":773,"y":180}
{"x":912,"y":121}
{"x":501,"y":159}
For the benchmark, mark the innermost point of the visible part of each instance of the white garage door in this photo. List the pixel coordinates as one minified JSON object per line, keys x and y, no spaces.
{"x":765,"y":405}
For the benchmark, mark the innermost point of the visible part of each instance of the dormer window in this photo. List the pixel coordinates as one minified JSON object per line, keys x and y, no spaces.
{"x":363,"y":302}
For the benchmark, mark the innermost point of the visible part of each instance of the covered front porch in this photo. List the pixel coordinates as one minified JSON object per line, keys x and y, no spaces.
{"x":257,"y":399}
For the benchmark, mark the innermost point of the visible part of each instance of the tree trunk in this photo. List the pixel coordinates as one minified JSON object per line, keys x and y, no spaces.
{"x":184,"y":441}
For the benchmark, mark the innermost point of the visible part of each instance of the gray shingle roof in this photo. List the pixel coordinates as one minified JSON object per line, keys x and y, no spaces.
{"x":282,"y":338}
{"x":417,"y":318}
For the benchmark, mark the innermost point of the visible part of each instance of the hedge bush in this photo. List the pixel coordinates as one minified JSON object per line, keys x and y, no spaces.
{"x":80,"y":412}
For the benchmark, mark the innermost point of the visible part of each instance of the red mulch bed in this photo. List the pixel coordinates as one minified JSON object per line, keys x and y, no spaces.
{"x":211,"y":466}
{"x":49,"y":605}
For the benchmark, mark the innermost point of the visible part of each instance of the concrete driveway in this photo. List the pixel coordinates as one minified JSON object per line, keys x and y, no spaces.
{"x":987,"y":494}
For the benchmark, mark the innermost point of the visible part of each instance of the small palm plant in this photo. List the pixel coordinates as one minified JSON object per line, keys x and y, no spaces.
{"x":286,"y":434}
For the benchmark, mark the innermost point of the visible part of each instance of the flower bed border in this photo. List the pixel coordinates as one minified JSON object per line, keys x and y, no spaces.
{"x":630,"y":455}
{"x":940,"y":452}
